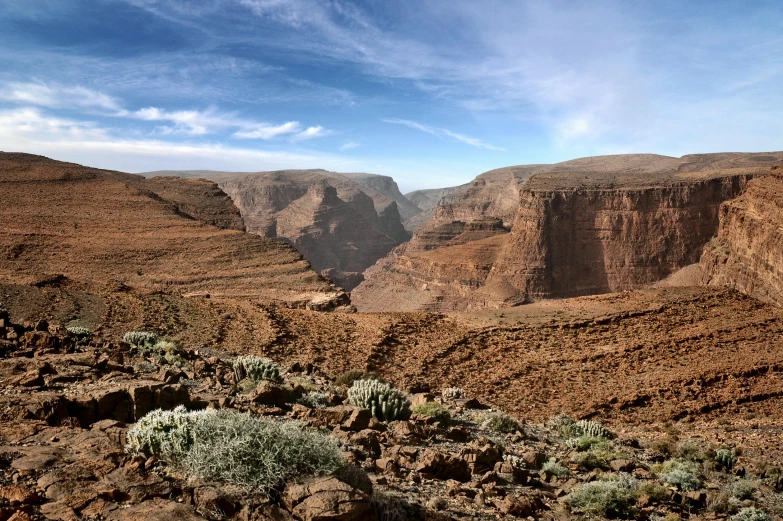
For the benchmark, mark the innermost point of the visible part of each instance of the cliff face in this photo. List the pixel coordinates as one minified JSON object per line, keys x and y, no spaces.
{"x":588,"y":226}
{"x":342,"y":227}
{"x":97,"y":225}
{"x":747,"y":253}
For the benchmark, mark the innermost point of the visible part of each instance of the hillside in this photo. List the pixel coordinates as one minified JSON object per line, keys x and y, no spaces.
{"x":592,"y":225}
{"x":169,"y":234}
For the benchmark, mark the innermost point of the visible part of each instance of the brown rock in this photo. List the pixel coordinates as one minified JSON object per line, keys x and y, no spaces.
{"x":57,"y":511}
{"x":209,"y":500}
{"x":19,"y":494}
{"x":622,"y":465}
{"x":443,"y":465}
{"x":326,"y":498}
{"x":268,"y":393}
{"x":156,"y":509}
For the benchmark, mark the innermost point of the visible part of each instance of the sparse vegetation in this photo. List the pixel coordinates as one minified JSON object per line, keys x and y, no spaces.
{"x":500,"y":423}
{"x":434,"y":410}
{"x":726,"y":458}
{"x":349,"y":377}
{"x":593,"y":429}
{"x":234,"y":447}
{"x":384,"y":401}
{"x":743,"y":489}
{"x":553,"y":468}
{"x":564,"y":425}
{"x":751,"y":514}
{"x":453,"y":393}
{"x":79,"y":333}
{"x":583,"y":443}
{"x":256,"y":369}
{"x":613,"y":497}
{"x":141,"y":340}
{"x":681,"y":479}
{"x":314,"y":400}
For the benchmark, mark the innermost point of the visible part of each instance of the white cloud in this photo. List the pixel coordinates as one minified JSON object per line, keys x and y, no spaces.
{"x":267,"y":132}
{"x":42,"y":95}
{"x":444,"y":133}
{"x":309,"y":133}
{"x":348,"y":146}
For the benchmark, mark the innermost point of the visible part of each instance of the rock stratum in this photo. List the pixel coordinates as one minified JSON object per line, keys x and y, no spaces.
{"x":185,"y":236}
{"x":747,"y":253}
{"x":341,"y":223}
{"x":588,"y":226}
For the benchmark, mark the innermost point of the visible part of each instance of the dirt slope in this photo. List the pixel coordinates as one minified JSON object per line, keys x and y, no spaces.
{"x":588,"y":226}
{"x":157,"y":234}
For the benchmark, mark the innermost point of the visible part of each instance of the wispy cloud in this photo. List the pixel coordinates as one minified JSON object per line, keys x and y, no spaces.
{"x":310,"y":133}
{"x":57,"y":96}
{"x":270,"y":132}
{"x":348,"y":145}
{"x":444,"y":133}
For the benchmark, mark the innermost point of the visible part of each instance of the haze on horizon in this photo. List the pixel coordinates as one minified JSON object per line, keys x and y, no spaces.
{"x":431,"y":93}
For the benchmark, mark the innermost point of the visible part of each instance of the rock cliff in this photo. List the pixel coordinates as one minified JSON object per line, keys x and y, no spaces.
{"x":588,"y":226}
{"x":747,"y":253}
{"x":340,"y":223}
{"x":169,"y":234}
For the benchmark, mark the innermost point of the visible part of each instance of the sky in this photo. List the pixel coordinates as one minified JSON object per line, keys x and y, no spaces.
{"x":431,"y":92}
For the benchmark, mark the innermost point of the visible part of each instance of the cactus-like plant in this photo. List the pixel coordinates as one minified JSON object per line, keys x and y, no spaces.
{"x":384,"y":401}
{"x":314,"y":400}
{"x":79,"y":332}
{"x":142,"y":340}
{"x":726,"y":458}
{"x":453,"y":393}
{"x":163,"y":433}
{"x":564,"y":425}
{"x":593,"y":429}
{"x":256,"y":369}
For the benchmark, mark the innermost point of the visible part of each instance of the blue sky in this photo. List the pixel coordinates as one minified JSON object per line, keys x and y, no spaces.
{"x":430,"y":92}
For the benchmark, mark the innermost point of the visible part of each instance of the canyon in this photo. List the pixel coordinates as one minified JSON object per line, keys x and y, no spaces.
{"x":587,"y":226}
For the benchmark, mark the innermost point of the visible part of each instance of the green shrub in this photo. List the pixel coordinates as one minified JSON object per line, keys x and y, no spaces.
{"x":453,"y":393}
{"x":437,"y":411}
{"x":743,"y":489}
{"x":141,"y":340}
{"x":349,"y":377}
{"x":750,"y":514}
{"x":615,"y":497}
{"x":726,"y":458}
{"x":677,"y":464}
{"x":597,"y":457}
{"x":256,"y":369}
{"x":384,"y":401}
{"x":564,"y":425}
{"x":681,"y":479}
{"x":314,"y":400}
{"x":690,"y":451}
{"x":500,"y":423}
{"x":654,"y":491}
{"x":583,"y":443}
{"x":233,"y":447}
{"x":552,"y":467}
{"x":79,"y":332}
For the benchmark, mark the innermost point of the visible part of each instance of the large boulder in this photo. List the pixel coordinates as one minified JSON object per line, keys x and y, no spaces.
{"x":327,"y":499}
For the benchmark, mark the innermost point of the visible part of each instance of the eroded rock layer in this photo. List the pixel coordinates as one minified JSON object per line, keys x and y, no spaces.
{"x":747,"y":253}
{"x":588,"y":226}
{"x":153,"y":234}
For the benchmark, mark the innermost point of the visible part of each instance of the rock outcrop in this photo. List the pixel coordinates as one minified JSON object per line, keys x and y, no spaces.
{"x":747,"y":253}
{"x":153,"y":234}
{"x":593,"y":225}
{"x":341,"y":223}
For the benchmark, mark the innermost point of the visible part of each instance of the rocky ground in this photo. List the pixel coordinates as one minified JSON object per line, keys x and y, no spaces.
{"x":66,"y":404}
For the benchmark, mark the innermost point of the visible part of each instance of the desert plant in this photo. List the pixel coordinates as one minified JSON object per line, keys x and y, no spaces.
{"x":384,"y":401}
{"x":500,"y":423}
{"x":726,"y":458}
{"x":598,"y":456}
{"x":314,"y":400}
{"x":552,"y":467}
{"x":608,"y":498}
{"x":79,"y":332}
{"x":564,"y":425}
{"x":349,"y":377}
{"x":653,"y":490}
{"x":141,"y":340}
{"x":750,"y":514}
{"x":593,"y":428}
{"x":256,"y":369}
{"x":453,"y":393}
{"x":690,"y":451}
{"x":681,"y":479}
{"x":583,"y":443}
{"x":437,"y":411}
{"x":234,"y":447}
{"x":743,"y":489}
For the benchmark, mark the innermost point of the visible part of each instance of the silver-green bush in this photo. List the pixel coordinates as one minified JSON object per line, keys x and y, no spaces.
{"x":726,"y":458}
{"x":453,"y":393}
{"x":233,"y":447}
{"x":583,"y":443}
{"x":611,"y":497}
{"x":564,"y":425}
{"x":256,"y":368}
{"x":314,"y":400}
{"x":500,"y":423}
{"x":384,"y":401}
{"x":554,"y":468}
{"x":140,"y":339}
{"x":79,"y":332}
{"x":751,"y":514}
{"x":681,"y":479}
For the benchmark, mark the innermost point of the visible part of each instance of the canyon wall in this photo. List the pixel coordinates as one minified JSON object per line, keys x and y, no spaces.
{"x":587,"y":226}
{"x":171,"y":235}
{"x":747,"y":253}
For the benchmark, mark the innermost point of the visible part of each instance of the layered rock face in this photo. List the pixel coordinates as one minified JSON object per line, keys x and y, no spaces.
{"x":588,"y":226}
{"x":747,"y":253}
{"x":159,"y":234}
{"x":428,"y":201}
{"x":339,"y":225}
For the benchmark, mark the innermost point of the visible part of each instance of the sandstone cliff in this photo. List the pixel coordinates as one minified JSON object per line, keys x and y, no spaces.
{"x":339,"y":225}
{"x":747,"y":253}
{"x":588,"y":226}
{"x":159,"y":234}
